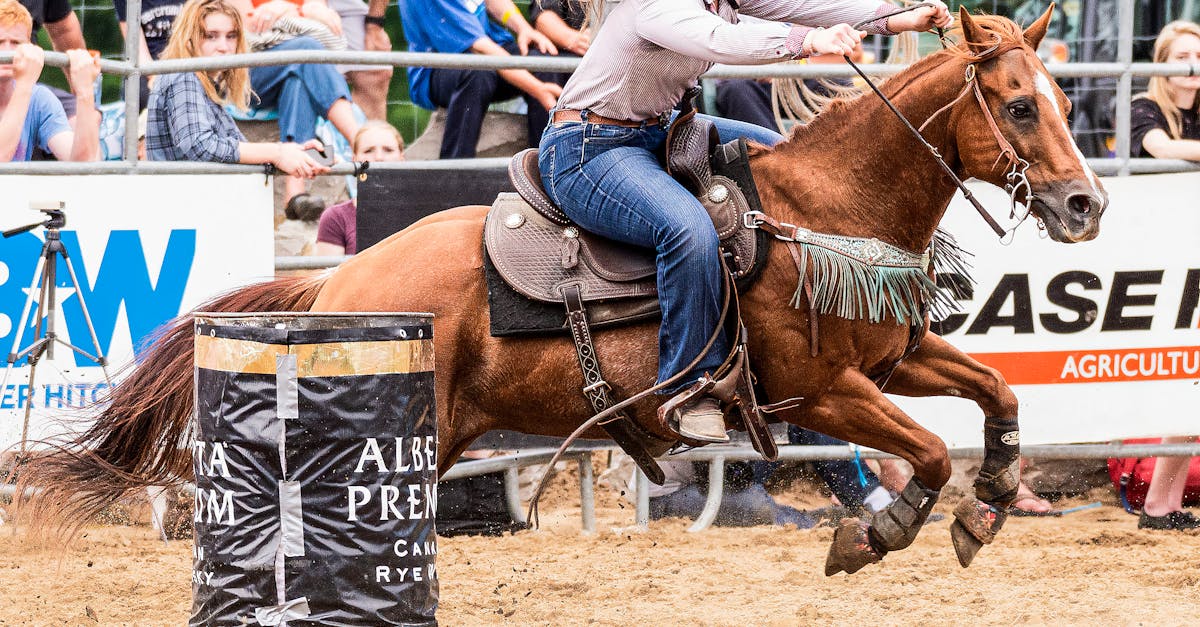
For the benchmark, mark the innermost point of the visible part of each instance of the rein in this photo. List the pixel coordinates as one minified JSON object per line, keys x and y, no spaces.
{"x":1016,"y":178}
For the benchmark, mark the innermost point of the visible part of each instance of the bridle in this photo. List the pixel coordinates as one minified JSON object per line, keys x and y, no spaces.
{"x":1016,"y":181}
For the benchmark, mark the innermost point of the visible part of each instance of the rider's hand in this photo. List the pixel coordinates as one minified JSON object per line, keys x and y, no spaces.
{"x":82,"y":69}
{"x":292,"y":160}
{"x":922,"y":19}
{"x":534,"y":36}
{"x":840,"y":39}
{"x":27,"y":63}
{"x":547,"y":94}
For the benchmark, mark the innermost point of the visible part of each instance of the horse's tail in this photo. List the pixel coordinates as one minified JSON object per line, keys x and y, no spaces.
{"x":142,"y":434}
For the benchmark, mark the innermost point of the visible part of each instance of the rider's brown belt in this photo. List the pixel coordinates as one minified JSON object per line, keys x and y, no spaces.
{"x":573,"y":115}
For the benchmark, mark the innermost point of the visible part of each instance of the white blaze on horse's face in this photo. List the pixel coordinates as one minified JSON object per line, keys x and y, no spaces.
{"x":1046,"y":89}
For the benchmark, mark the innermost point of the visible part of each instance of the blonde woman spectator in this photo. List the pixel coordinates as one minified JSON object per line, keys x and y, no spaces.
{"x":375,"y":141}
{"x":186,"y":117}
{"x":30,"y":116}
{"x":1163,"y":123}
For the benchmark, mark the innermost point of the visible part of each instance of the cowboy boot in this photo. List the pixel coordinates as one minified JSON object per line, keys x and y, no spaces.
{"x":701,"y":419}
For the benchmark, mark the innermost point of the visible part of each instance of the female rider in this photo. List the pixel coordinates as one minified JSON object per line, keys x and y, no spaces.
{"x":600,"y":154}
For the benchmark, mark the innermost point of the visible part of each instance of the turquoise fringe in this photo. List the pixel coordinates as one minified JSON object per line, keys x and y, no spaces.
{"x":853,"y":289}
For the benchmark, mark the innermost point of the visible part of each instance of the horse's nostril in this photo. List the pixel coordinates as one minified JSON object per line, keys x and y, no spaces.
{"x":1081,"y":203}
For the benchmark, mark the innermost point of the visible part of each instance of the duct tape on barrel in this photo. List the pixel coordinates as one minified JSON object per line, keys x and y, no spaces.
{"x":316,"y":470}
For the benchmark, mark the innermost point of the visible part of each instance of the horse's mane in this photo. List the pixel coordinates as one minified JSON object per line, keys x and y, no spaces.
{"x":1006,"y":32}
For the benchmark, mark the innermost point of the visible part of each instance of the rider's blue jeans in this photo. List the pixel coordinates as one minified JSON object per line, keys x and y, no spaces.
{"x":301,"y":91}
{"x":610,"y":180}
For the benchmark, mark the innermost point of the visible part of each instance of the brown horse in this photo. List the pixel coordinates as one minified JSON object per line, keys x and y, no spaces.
{"x":854,"y":171}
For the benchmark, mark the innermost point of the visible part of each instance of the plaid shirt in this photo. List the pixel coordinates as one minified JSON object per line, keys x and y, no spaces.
{"x":183,"y":124}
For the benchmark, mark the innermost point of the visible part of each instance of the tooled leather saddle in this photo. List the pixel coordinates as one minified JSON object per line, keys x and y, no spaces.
{"x":538,"y":261}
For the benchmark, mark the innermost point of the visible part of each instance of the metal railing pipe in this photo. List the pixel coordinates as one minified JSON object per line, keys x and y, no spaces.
{"x":133,"y":80}
{"x":1124,"y":83}
{"x":716,"y":493}
{"x":587,"y":493}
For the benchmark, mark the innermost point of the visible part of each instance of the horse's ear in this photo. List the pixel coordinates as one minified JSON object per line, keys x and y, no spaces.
{"x":971,"y":31}
{"x":1037,"y":30}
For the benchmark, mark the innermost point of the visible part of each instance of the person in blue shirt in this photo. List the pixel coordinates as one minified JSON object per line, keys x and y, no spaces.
{"x":30,"y":116}
{"x":474,"y":26}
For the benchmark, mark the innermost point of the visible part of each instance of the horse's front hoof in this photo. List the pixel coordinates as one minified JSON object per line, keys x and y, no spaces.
{"x":851,"y":548}
{"x":965,"y":544}
{"x":975,"y":524}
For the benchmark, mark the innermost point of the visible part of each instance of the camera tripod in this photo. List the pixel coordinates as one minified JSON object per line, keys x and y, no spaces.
{"x":45,"y":336}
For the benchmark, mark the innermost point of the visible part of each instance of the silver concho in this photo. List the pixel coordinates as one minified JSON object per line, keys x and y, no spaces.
{"x":571,"y":232}
{"x":872,"y":251}
{"x":514,"y":220}
{"x":718,"y":193}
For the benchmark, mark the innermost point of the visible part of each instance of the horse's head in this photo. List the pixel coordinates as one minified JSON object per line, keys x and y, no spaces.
{"x":1029,"y":113}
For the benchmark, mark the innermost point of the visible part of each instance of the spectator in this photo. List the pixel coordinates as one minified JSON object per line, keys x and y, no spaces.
{"x":1163,"y":508}
{"x":62,"y":26}
{"x":362,"y":26}
{"x":186,"y":116}
{"x":459,"y":26}
{"x":156,"y":19}
{"x":564,"y":23}
{"x":30,"y":116}
{"x":301,"y":92}
{"x":336,"y":235}
{"x":1163,"y":120}
{"x":1164,"y":125}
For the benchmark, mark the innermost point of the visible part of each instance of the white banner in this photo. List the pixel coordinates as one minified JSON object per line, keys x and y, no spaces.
{"x":1099,"y":340}
{"x":145,"y":249}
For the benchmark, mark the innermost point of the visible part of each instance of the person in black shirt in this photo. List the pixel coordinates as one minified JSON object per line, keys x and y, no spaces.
{"x":1163,"y":125}
{"x":1163,"y":120}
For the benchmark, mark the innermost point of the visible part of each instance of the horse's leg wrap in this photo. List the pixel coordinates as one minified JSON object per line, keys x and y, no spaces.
{"x":978,"y":520}
{"x":896,"y":526}
{"x":852,"y":548}
{"x":1000,"y":475}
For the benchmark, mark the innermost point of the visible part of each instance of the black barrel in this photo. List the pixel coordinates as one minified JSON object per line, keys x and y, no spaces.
{"x":316,"y":470}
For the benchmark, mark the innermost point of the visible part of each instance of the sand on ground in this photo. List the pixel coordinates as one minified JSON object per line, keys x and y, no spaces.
{"x":1090,"y":567}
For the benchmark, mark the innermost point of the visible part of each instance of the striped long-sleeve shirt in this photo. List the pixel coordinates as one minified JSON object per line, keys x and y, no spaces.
{"x":184,"y":124}
{"x":649,"y":52}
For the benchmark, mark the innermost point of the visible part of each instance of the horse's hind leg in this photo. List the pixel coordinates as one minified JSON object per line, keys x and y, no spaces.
{"x":939,"y":369}
{"x":854,"y":409}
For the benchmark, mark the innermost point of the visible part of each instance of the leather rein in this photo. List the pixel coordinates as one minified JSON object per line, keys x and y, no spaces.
{"x":1017,"y":181}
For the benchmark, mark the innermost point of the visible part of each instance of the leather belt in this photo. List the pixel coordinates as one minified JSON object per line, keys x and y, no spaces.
{"x":573,"y":115}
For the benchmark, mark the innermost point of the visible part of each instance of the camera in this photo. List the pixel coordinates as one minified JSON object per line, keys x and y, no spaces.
{"x":56,"y":217}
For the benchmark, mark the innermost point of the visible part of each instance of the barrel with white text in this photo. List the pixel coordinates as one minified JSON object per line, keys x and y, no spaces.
{"x":316,"y":470}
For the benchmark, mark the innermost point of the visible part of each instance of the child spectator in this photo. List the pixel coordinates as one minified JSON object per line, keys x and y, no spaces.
{"x":30,"y":116}
{"x":186,"y":117}
{"x":1164,"y":125}
{"x":460,"y":26}
{"x":336,"y":234}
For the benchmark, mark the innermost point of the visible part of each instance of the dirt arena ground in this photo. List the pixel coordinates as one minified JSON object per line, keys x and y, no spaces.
{"x":1091,"y":567}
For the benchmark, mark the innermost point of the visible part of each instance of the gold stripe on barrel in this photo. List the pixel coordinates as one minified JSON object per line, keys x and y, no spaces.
{"x":244,"y":356}
{"x":334,"y":359}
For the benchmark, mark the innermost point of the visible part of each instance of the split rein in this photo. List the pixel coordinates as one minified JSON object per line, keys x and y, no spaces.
{"x":1017,"y":180}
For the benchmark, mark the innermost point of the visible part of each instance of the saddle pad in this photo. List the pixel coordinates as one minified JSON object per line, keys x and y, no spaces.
{"x":538,"y":258}
{"x":514,"y":315}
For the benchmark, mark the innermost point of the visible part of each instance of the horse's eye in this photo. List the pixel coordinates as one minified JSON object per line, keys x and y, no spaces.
{"x":1020,"y":110}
